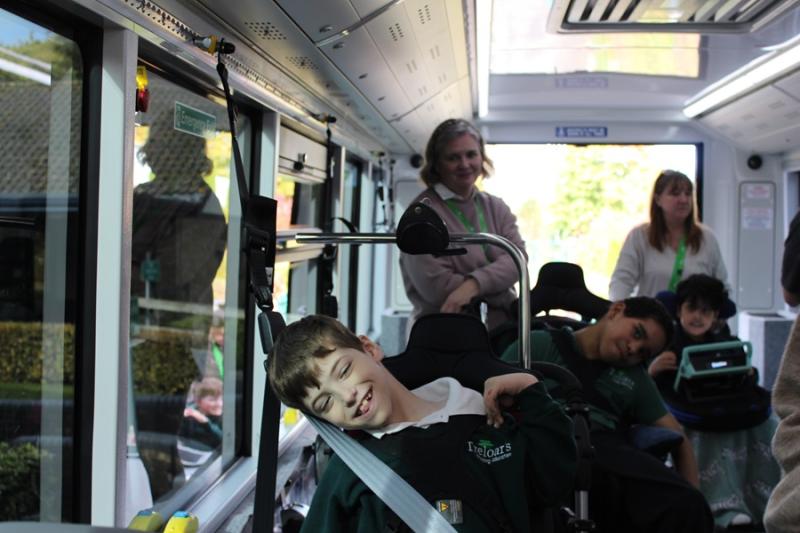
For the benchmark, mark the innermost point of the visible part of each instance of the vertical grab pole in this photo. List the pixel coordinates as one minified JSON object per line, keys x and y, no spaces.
{"x":524,"y":318}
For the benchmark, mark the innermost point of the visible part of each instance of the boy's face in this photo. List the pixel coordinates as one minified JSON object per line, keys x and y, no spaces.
{"x":354,"y":391}
{"x":696,"y":319}
{"x":210,"y":404}
{"x":627,"y":341}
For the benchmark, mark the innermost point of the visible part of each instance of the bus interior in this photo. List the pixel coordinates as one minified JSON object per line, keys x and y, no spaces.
{"x":118,"y":154}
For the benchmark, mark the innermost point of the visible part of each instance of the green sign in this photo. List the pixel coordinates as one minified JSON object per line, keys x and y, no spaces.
{"x":193,"y":121}
{"x":150,"y":271}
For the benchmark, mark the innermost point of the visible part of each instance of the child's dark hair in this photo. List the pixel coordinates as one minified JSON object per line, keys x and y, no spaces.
{"x":645,"y":307}
{"x":289,"y":366}
{"x":701,"y":290}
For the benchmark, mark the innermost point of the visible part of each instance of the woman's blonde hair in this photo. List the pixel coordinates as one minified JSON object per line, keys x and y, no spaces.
{"x":443,"y":134}
{"x":657,"y":229}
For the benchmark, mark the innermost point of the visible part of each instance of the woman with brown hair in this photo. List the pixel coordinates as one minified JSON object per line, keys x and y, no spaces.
{"x":454,"y":161}
{"x":671,"y":247}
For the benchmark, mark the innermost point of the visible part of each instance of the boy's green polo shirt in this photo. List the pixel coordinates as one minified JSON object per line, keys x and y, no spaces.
{"x":630,"y":390}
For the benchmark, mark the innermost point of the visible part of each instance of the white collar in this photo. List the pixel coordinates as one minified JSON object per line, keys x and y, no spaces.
{"x":458,"y":401}
{"x":445,"y":193}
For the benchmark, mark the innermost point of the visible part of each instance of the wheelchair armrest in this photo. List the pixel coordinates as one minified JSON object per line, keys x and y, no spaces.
{"x":655,"y":440}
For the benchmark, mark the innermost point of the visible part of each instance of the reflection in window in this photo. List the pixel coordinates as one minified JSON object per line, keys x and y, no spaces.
{"x":298,"y":201}
{"x":40,"y":105}
{"x":186,"y":328}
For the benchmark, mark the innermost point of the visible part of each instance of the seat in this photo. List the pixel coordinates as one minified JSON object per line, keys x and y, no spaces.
{"x":559,"y":286}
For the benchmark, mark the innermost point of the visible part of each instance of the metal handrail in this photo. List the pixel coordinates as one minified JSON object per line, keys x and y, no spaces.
{"x":462,"y":238}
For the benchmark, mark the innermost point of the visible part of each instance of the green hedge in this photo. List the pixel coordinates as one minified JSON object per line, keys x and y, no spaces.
{"x":19,"y":482}
{"x":163,"y":362}
{"x":23,"y":360}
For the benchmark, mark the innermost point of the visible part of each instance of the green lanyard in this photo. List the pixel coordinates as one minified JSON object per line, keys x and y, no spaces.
{"x":677,"y":268}
{"x":453,"y":206}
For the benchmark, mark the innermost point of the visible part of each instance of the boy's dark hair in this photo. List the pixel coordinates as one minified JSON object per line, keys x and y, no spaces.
{"x":646,"y":307}
{"x":289,"y":366}
{"x":701,"y":290}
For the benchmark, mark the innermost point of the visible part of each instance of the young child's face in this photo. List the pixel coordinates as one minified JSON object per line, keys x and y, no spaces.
{"x":627,"y":341}
{"x":354,"y":391}
{"x":210,"y":404}
{"x":696,"y":319}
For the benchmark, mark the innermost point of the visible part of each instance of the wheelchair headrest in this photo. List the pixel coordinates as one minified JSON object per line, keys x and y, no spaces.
{"x":670,"y":301}
{"x":561,"y":286}
{"x":421,"y":231}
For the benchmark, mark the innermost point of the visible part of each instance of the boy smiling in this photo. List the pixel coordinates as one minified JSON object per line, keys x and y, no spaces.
{"x":454,"y":446}
{"x":631,"y":490}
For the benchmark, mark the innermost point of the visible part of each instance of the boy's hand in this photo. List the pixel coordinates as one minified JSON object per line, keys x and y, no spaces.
{"x":498,"y":392}
{"x":194,"y":413}
{"x":665,"y":361}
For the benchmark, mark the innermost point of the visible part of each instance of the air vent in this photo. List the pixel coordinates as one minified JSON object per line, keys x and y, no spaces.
{"x":671,"y":16}
{"x":302,"y":63}
{"x":396,"y":31}
{"x":266,"y":30}
{"x":424,"y":14}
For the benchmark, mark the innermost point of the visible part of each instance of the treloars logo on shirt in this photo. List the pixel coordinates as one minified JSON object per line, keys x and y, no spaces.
{"x":622,"y":379}
{"x":487,"y":452}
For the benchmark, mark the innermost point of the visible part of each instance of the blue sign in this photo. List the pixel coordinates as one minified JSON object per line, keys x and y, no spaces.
{"x":582,"y":131}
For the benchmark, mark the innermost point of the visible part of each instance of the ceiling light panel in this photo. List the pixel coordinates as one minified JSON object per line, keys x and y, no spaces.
{"x":671,"y":15}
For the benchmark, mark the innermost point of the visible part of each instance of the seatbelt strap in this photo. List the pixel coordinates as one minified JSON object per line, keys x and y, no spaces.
{"x":677,"y":268}
{"x":396,"y":493}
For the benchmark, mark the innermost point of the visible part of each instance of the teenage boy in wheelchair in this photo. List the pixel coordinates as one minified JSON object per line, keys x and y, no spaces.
{"x":455,"y":447}
{"x":631,"y":490}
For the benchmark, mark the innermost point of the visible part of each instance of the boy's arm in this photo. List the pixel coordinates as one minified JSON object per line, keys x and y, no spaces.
{"x":499,"y":393}
{"x":685,"y":462}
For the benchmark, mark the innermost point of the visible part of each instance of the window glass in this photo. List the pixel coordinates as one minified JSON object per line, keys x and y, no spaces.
{"x":583,"y":200}
{"x":298,"y":201}
{"x":40,"y":104}
{"x":187,"y":315}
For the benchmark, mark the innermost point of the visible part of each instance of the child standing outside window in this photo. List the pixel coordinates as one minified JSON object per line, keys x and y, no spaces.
{"x":450,"y":444}
{"x":737,"y":470}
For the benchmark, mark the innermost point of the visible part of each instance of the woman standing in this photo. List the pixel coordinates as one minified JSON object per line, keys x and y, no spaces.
{"x":671,"y":247}
{"x":454,"y":160}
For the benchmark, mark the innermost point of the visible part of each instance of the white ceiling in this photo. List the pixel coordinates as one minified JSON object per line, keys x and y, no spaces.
{"x":397,"y":68}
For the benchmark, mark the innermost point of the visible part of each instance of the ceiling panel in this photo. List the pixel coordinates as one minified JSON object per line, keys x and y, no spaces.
{"x":365,"y":7}
{"x":320,"y":23}
{"x":393,"y":34}
{"x":358,"y":58}
{"x":790,"y":84}
{"x":765,"y":120}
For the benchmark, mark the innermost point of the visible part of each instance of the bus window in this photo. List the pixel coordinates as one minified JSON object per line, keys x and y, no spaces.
{"x":577,"y":203}
{"x":187,"y":327}
{"x":41,"y":90}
